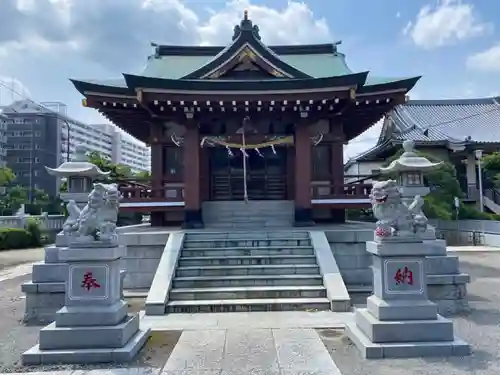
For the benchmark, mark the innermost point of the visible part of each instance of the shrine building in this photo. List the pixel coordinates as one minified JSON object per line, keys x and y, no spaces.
{"x":245,"y":121}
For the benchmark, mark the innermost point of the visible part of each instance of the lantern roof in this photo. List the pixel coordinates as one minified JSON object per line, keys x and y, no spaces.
{"x":409,"y":161}
{"x":79,"y":167}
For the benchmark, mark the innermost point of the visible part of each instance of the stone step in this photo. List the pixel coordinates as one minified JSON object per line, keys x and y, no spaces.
{"x":241,"y":281}
{"x":305,"y":269}
{"x":246,"y":260}
{"x":248,"y":292}
{"x":247,"y":215}
{"x":284,"y":234}
{"x":260,"y":243}
{"x":252,"y":226}
{"x":247,"y":251}
{"x":243,"y":305}
{"x":251,"y":203}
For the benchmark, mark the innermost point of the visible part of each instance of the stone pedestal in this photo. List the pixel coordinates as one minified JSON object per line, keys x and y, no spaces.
{"x":45,"y":293}
{"x":400,"y":321}
{"x":93,"y":326}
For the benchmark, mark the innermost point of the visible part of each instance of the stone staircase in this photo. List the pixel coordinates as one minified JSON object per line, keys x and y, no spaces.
{"x":247,"y":271}
{"x":248,"y":215}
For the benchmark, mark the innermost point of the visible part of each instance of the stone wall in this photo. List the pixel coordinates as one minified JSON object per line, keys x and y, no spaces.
{"x":144,"y":251}
{"x":446,"y":285}
{"x":45,"y":293}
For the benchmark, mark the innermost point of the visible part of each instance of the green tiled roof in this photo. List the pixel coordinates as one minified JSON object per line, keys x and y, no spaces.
{"x":317,"y":66}
{"x":174,"y":67}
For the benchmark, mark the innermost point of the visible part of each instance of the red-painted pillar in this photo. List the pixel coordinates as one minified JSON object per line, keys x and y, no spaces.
{"x":192,"y":198}
{"x":303,"y":211}
{"x":338,"y":215}
{"x":157,"y":160}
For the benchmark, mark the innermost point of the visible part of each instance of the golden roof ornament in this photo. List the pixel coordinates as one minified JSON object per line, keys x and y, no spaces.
{"x":246,"y":26}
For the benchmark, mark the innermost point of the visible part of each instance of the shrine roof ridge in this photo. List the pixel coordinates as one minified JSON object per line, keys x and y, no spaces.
{"x":351,"y":80}
{"x":297,"y":49}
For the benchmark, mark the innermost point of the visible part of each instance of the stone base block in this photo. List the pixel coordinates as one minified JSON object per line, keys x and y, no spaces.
{"x":52,"y":253}
{"x":49,"y":272}
{"x":401,"y":310}
{"x":43,"y":300}
{"x":377,"y":331}
{"x":73,"y":316}
{"x":436,"y":247}
{"x":370,"y":350}
{"x":55,"y":338}
{"x":36,"y":356}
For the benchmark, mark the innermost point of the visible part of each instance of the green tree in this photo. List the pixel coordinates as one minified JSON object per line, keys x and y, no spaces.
{"x":491,"y":166}
{"x":6,"y":176}
{"x":444,"y":185}
{"x":143,"y":175}
{"x":118,"y":171}
{"x":17,"y":195}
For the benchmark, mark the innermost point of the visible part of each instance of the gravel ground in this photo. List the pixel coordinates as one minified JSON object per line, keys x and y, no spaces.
{"x":15,"y":337}
{"x":10,"y":258}
{"x":480,"y":327}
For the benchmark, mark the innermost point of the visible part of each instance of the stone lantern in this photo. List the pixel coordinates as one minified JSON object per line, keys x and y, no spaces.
{"x":410,"y":169}
{"x":80,"y":174}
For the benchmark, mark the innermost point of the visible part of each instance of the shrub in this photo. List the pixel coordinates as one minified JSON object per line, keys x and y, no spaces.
{"x":15,"y":238}
{"x":33,"y":227}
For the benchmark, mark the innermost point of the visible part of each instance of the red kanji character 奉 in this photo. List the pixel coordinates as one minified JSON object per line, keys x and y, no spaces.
{"x":404,"y":277}
{"x":89,"y":281}
{"x":408,"y":276}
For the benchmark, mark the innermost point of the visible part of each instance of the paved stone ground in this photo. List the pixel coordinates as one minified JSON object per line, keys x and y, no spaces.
{"x":480,"y":327}
{"x":10,"y":258}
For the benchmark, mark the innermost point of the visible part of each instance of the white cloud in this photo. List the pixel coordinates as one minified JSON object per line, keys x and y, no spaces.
{"x":107,"y":31}
{"x":101,"y":39}
{"x":363,"y":142}
{"x":11,"y":90}
{"x":486,"y":61}
{"x":449,"y":22}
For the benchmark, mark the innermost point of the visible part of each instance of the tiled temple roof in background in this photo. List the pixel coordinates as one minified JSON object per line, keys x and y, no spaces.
{"x":452,"y":123}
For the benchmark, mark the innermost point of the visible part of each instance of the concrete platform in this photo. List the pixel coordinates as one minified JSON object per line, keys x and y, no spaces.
{"x":243,"y":351}
{"x":249,"y":320}
{"x":370,"y":350}
{"x":37,"y":356}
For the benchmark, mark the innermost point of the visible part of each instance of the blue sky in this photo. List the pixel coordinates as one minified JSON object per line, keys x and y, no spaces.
{"x":454,"y":45}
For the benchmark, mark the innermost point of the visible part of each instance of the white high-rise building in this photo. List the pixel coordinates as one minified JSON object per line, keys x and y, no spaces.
{"x":111,"y":142}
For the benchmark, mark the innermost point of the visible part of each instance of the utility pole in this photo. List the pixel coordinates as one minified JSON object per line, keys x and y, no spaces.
{"x":31,"y":161}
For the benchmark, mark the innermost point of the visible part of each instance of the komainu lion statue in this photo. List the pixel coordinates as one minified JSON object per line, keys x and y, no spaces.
{"x":96,"y":222}
{"x":395,"y":218}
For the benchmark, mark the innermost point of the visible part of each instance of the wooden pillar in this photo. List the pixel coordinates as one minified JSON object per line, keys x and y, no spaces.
{"x":191,"y":158}
{"x":204,"y":174}
{"x":290,"y":173}
{"x":157,"y":160}
{"x":303,"y":210}
{"x":338,"y":215}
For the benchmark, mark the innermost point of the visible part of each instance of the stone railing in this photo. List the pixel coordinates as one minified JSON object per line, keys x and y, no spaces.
{"x":355,"y":195}
{"x":47,"y":222}
{"x":468,"y":232}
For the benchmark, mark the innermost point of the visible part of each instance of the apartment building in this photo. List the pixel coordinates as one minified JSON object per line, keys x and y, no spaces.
{"x":39,"y":135}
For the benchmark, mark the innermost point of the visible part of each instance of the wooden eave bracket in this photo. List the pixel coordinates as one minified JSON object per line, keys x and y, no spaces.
{"x":140,"y":98}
